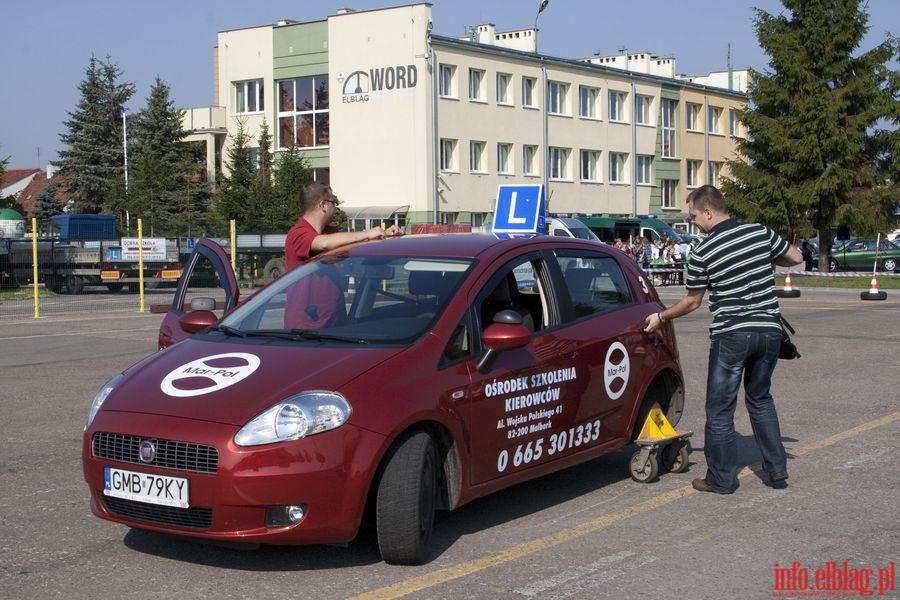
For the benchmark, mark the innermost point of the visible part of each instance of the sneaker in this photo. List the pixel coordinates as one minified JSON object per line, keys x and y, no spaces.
{"x":702,"y":486}
{"x":778,"y":479}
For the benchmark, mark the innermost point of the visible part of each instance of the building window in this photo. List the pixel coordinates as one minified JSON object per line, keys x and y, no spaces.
{"x":590,"y":160}
{"x":617,"y":107}
{"x":667,"y":116}
{"x":642,"y":109}
{"x":559,"y":163}
{"x":528,"y":84}
{"x":529,"y":160}
{"x":617,"y":170}
{"x":248,"y":96}
{"x":476,"y":85}
{"x":476,"y":157}
{"x":667,"y":188}
{"x":713,"y":116}
{"x":504,"y":159}
{"x":643,"y":169}
{"x":733,"y":122}
{"x":587,"y":102}
{"x":693,"y":172}
{"x":692,"y":117}
{"x":303,"y":115}
{"x":715,"y":172}
{"x":503,"y":81}
{"x":557,"y":97}
{"x":448,"y":155}
{"x":447,"y":77}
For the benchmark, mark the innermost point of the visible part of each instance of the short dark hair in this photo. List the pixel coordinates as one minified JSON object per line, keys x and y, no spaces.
{"x":312,"y":194}
{"x":707,"y":196}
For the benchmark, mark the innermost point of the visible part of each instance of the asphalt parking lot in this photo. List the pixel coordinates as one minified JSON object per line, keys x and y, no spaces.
{"x":588,"y":532}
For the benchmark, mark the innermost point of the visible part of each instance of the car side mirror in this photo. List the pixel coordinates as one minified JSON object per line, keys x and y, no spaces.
{"x":197,"y":320}
{"x":505,"y":333}
{"x":203,"y":303}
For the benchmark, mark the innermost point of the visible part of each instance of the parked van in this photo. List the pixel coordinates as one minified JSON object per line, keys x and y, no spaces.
{"x":567,"y":227}
{"x":610,"y":228}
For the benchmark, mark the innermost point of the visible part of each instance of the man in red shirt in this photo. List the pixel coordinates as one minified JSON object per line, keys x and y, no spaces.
{"x":317,"y":301}
{"x":312,"y":234}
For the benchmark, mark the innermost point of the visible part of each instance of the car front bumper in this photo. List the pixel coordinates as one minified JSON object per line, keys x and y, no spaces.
{"x":329,"y":474}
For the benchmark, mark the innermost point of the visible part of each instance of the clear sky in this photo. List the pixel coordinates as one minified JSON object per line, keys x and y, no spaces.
{"x":47,"y":44}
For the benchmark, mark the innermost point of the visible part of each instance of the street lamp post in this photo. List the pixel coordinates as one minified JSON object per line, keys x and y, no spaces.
{"x":545,"y":137}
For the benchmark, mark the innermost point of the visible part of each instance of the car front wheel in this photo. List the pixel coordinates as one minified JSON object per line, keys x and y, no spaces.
{"x":832,"y":265}
{"x":890,"y":265}
{"x":407,"y":492}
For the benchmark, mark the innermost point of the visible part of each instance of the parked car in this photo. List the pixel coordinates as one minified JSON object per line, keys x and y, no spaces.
{"x":448,"y":368}
{"x":859,"y":255}
{"x":569,"y":227}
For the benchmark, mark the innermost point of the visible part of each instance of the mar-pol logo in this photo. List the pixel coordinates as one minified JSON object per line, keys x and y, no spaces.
{"x":209,"y":374}
{"x":616,"y":369}
{"x":358,"y":85}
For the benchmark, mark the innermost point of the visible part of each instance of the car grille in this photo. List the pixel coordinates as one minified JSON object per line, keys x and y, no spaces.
{"x":180,"y":456}
{"x":192,"y":518}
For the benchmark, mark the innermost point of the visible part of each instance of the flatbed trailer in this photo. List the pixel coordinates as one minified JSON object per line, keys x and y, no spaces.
{"x":69,"y":266}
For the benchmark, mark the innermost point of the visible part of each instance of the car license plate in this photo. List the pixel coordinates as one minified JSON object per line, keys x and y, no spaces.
{"x":146,"y":487}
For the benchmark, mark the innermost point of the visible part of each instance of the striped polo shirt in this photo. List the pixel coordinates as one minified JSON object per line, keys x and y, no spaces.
{"x":734,"y":263}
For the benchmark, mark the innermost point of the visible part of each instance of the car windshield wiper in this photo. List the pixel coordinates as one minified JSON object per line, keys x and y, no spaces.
{"x":304,"y":334}
{"x":228,"y":330}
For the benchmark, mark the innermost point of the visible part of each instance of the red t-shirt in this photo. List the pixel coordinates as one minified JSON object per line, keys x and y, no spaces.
{"x":317,"y":300}
{"x":298,"y":245}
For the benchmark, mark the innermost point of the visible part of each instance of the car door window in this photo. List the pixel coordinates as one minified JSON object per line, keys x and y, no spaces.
{"x":516,"y":286}
{"x":595,"y":284}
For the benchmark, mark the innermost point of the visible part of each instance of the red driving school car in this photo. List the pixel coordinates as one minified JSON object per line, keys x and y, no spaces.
{"x":409,"y":375}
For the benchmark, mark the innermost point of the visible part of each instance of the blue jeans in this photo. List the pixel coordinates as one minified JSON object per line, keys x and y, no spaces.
{"x":751,"y":356}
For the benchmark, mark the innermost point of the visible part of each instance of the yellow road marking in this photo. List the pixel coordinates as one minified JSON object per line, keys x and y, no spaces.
{"x":447,"y":574}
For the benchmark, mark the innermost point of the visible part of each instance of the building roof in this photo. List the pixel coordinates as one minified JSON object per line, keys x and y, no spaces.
{"x":15,"y":178}
{"x":27,"y":184}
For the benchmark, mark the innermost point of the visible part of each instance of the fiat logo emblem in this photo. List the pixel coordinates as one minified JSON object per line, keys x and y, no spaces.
{"x":147,"y":451}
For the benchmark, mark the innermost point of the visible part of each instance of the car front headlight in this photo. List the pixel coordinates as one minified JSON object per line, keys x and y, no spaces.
{"x":100,"y":398}
{"x":299,"y":416}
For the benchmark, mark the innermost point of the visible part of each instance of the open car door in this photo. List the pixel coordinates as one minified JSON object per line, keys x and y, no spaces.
{"x":207,"y":289}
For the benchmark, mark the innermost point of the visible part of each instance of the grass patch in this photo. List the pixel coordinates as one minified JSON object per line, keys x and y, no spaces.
{"x":885,"y":281}
{"x":25,"y":293}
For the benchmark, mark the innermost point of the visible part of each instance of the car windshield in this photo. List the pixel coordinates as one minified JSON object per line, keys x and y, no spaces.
{"x":353,"y":299}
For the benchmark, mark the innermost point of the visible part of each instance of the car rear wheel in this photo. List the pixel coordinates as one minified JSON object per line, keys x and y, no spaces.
{"x":407,"y":492}
{"x":890,"y":265}
{"x":832,"y":265}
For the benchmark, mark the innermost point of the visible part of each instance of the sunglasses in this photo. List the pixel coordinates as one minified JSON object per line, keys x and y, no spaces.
{"x":334,"y":200}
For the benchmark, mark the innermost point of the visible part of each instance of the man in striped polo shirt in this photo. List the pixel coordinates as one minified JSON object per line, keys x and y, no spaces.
{"x":734,"y":263}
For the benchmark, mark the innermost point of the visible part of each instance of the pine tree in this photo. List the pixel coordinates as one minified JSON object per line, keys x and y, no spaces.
{"x":160,"y":165}
{"x":263,"y":190}
{"x":94,"y":157}
{"x":236,"y":189}
{"x":47,"y":204}
{"x":291,"y":174}
{"x":808,"y":160}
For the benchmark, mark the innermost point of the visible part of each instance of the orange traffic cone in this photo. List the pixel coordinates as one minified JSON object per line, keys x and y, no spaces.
{"x":788,"y":291}
{"x":873,"y":293}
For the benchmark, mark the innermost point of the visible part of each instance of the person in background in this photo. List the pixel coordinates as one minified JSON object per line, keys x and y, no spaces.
{"x":645,"y":253}
{"x":735,"y":264}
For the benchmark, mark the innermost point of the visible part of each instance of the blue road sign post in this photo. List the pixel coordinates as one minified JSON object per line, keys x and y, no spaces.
{"x":520,"y":209}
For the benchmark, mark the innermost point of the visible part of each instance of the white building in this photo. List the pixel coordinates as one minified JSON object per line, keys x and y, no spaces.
{"x":415,"y":127}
